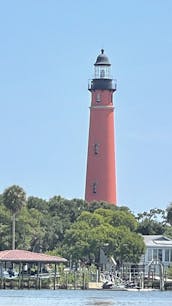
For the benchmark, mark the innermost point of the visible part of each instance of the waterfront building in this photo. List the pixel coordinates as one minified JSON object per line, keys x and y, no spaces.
{"x":24,"y":269}
{"x":158,"y":251}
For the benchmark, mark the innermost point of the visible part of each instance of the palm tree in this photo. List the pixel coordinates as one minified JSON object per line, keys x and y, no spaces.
{"x":14,"y":197}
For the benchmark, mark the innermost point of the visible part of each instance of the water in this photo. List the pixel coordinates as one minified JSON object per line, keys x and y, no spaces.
{"x":83,"y":297}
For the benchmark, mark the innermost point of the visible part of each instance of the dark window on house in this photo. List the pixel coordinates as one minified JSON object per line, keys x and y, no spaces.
{"x":171,"y":255}
{"x":149,"y":254}
{"x":167,"y":255}
{"x":154,"y":254}
{"x":160,"y":254}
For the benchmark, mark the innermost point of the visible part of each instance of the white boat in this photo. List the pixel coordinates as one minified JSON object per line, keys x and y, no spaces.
{"x":141,"y":289}
{"x":112,"y":286}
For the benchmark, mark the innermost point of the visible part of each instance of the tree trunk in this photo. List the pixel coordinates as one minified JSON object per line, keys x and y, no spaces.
{"x":13,"y":230}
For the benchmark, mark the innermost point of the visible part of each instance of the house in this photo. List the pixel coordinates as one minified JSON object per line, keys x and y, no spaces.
{"x":158,"y":254}
{"x":158,"y":251}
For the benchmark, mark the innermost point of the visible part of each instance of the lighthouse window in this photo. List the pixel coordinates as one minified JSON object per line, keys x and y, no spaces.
{"x":94,"y":187}
{"x":96,"y":148}
{"x":98,"y":98}
{"x":102,"y":73}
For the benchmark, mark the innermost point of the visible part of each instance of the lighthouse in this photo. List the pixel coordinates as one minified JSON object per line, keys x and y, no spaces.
{"x":101,"y":170}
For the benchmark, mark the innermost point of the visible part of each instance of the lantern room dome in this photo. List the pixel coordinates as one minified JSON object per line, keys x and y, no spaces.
{"x":102,"y":59}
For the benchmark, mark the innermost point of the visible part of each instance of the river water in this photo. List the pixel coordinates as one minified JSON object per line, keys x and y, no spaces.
{"x":84,"y":297}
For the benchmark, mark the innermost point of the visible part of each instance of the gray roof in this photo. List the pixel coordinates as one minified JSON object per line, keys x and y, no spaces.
{"x":157,"y":241}
{"x":102,"y":59}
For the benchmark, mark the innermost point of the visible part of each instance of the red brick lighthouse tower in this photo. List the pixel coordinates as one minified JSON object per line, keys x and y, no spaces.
{"x":101,"y":175}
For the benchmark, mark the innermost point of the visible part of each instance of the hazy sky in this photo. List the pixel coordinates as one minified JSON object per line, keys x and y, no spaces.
{"x":47,"y":52}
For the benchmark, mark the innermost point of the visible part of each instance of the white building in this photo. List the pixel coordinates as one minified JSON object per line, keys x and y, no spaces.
{"x":158,"y":250}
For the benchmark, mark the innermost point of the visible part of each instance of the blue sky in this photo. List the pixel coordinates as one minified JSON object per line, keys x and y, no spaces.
{"x":47,"y":52}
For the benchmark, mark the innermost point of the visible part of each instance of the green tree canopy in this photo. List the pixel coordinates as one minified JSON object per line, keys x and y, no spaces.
{"x":37,"y":203}
{"x":152,"y":222}
{"x":118,"y":217}
{"x":93,"y":231}
{"x":5,"y":227}
{"x":169,"y":214}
